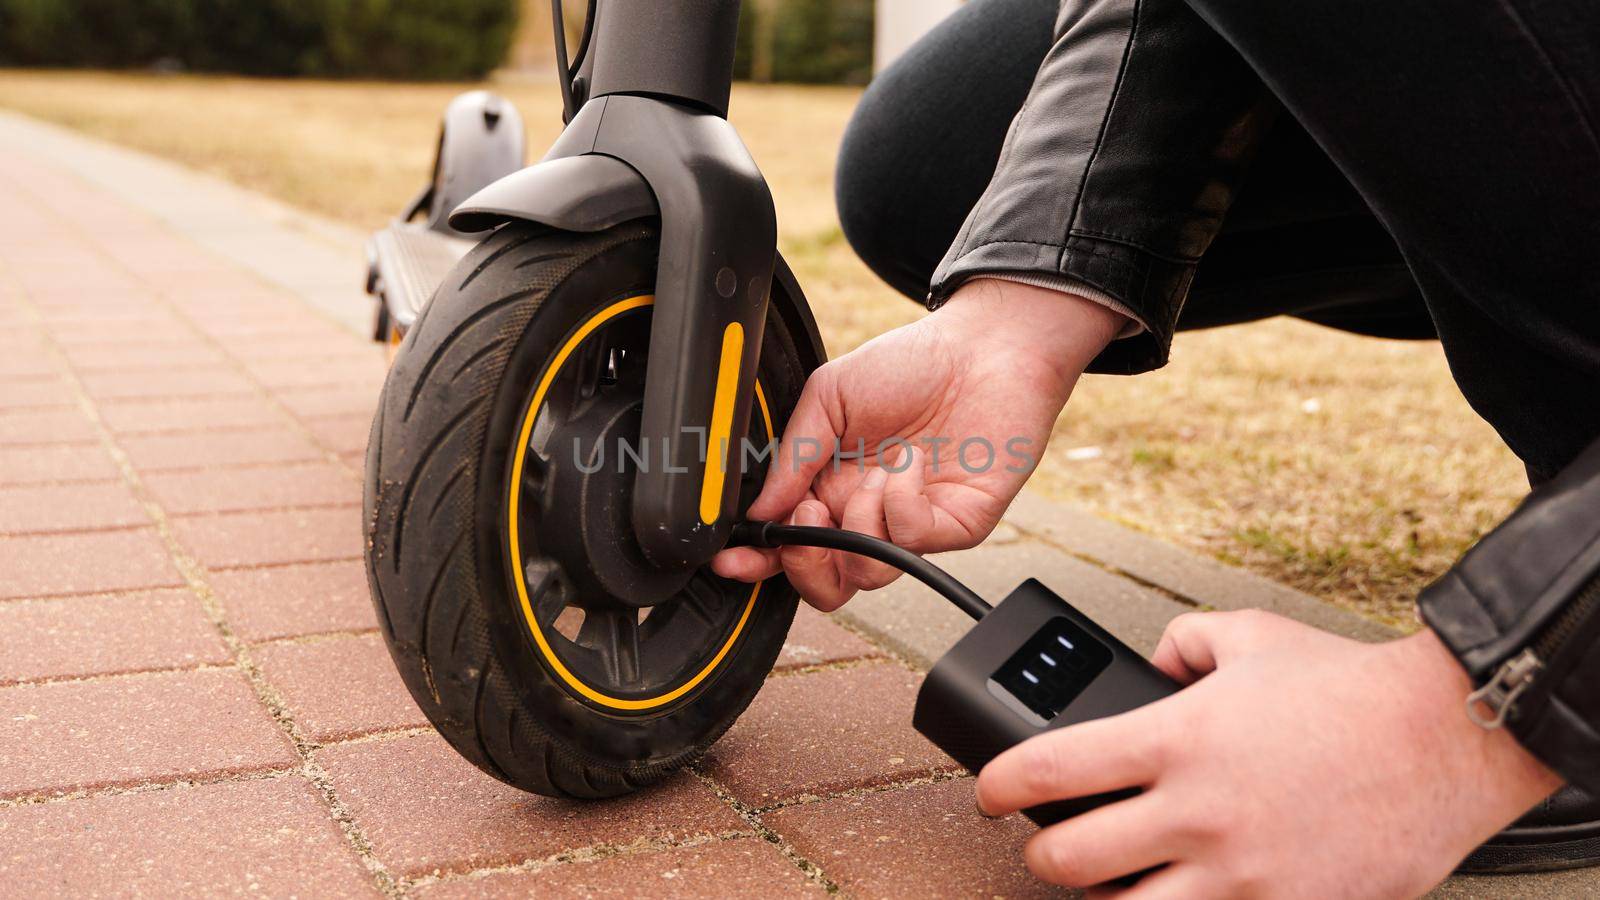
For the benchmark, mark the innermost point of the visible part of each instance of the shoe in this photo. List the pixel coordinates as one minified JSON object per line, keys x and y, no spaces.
{"x":1562,"y":832}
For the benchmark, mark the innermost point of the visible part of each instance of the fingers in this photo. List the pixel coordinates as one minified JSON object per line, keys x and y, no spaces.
{"x":813,"y":571}
{"x":746,"y":563}
{"x":1196,"y":644}
{"x":1124,"y":838}
{"x":1077,"y":761}
{"x":907,"y":511}
{"x":1183,"y":881}
{"x":808,"y":441}
{"x":863,"y":512}
{"x":914,"y":521}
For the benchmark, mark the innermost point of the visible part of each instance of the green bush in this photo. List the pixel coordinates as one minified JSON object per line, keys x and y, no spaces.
{"x":413,"y":38}
{"x":90,"y":32}
{"x":376,"y":38}
{"x":811,"y":41}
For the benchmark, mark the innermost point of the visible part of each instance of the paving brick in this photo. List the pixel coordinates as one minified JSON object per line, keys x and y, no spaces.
{"x":44,"y":565}
{"x":370,"y":696}
{"x":46,"y":426}
{"x":740,"y":867}
{"x":22,"y":340}
{"x":341,"y":434}
{"x":824,"y":732}
{"x":365,"y":371}
{"x":172,"y":452}
{"x":69,"y":507}
{"x":76,"y":279}
{"x":221,"y":295}
{"x":36,"y":393}
{"x":294,"y":346}
{"x":341,"y":400}
{"x":922,"y":841}
{"x":161,"y":330}
{"x":425,"y":809}
{"x":227,"y":540}
{"x":286,"y":601}
{"x":126,"y":312}
{"x":129,"y":356}
{"x":166,"y":259}
{"x":264,"y":837}
{"x":69,"y":735}
{"x":813,"y":640}
{"x":292,"y":321}
{"x":154,"y":417}
{"x":26,"y":361}
{"x":75,"y":636}
{"x":55,"y":463}
{"x":262,"y":487}
{"x":68,"y":291}
{"x":215,"y":294}
{"x":213,"y":381}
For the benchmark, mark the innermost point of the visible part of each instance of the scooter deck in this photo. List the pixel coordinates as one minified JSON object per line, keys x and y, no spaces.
{"x":408,"y":262}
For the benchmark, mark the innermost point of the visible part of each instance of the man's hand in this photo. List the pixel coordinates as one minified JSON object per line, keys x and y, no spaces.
{"x":1298,"y":764}
{"x":949,"y":414}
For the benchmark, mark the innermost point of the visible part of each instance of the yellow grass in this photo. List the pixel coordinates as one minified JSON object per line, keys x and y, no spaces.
{"x":1348,"y":467}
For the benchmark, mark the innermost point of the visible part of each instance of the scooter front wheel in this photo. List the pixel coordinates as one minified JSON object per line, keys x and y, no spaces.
{"x":521,"y":614}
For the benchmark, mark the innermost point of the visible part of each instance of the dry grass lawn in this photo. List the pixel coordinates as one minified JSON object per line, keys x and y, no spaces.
{"x":1348,"y":467}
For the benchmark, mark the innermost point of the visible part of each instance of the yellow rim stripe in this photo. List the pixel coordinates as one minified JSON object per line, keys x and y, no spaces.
{"x":718,"y":439}
{"x":520,"y":578}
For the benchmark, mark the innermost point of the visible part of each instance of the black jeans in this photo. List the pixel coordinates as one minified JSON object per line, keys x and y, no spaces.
{"x":1436,"y":173}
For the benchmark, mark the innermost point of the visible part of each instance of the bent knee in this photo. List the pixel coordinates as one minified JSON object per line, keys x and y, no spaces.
{"x":875,"y":190}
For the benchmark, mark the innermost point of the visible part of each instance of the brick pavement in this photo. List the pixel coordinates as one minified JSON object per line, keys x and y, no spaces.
{"x":194,"y":699}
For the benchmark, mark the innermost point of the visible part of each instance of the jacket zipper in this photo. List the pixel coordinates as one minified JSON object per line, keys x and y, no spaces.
{"x":1490,"y":705}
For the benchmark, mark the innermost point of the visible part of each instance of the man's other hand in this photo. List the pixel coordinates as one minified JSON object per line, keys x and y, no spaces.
{"x":1296,"y":764}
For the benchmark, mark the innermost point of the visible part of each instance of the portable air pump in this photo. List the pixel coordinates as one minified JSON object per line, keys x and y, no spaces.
{"x":1030,"y":664}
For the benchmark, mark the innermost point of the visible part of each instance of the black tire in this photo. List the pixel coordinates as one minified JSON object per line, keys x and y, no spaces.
{"x":435,"y":514}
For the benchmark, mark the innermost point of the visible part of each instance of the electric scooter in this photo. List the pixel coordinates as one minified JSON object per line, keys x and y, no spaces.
{"x":585,"y":348}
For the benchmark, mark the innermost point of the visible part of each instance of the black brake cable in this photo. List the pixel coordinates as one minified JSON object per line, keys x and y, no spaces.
{"x":583,"y":41}
{"x":563,"y":71}
{"x":566,"y":72}
{"x":772,"y":534}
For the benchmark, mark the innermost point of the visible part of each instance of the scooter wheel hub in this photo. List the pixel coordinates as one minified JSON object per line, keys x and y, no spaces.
{"x":587,"y":498}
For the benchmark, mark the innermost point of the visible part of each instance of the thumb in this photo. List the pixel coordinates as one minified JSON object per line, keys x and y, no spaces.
{"x":1197,"y":644}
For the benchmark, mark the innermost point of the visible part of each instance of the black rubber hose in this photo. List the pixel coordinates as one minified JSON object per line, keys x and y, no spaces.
{"x":771,"y":534}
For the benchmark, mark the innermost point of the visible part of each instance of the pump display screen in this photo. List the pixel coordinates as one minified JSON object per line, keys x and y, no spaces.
{"x":1053,"y":667}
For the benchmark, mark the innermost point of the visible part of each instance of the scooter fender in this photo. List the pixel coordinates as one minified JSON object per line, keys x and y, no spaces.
{"x":572,"y":193}
{"x":718,"y":246}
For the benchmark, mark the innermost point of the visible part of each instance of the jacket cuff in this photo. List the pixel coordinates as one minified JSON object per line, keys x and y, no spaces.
{"x":1151,"y":289}
{"x":1061,"y":284}
{"x":1521,"y":612}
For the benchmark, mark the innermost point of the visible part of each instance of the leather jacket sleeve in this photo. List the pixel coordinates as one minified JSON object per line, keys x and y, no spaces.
{"x":1117,"y":173}
{"x":1521,"y":611}
{"x":1120,"y":166}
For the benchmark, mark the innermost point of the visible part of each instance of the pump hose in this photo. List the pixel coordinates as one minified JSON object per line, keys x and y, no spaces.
{"x":772,"y":534}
